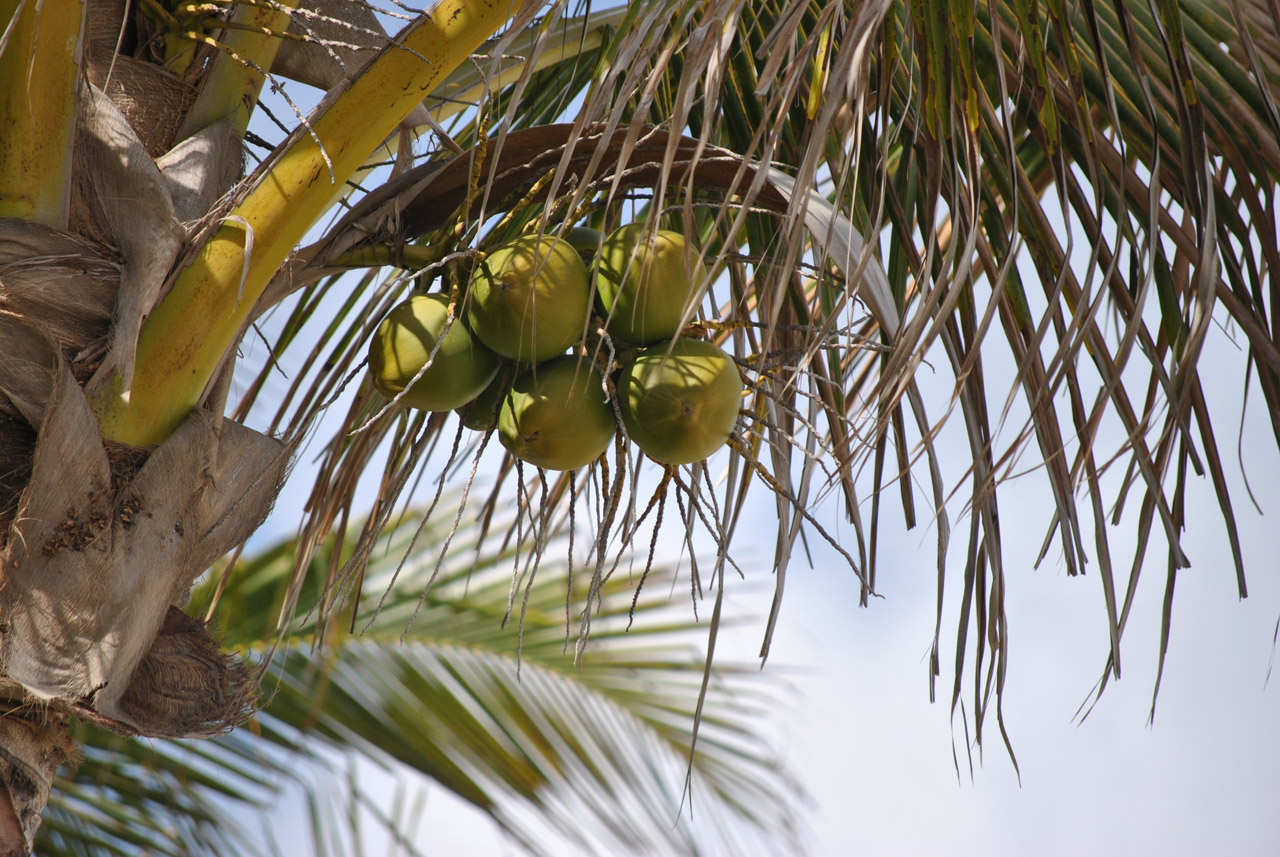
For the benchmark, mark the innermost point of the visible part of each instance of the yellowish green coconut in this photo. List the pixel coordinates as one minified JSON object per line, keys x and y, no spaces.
{"x":529,"y":299}
{"x":680,"y":400}
{"x":481,"y":414}
{"x":403,"y":343}
{"x":556,"y":415}
{"x":647,"y":282}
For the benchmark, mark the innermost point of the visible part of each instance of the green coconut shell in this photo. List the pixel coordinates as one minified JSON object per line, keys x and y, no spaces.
{"x":403,"y":343}
{"x":556,"y":415}
{"x":529,"y":299}
{"x":680,"y":400}
{"x":585,"y":240}
{"x":481,"y":414}
{"x":646,"y":283}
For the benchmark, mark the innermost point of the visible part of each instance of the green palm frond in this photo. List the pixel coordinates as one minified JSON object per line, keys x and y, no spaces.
{"x":505,"y":717}
{"x":164,"y":797}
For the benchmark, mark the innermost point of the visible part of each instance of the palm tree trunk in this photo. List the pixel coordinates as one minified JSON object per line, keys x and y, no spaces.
{"x":104,"y":524}
{"x":32,"y":748}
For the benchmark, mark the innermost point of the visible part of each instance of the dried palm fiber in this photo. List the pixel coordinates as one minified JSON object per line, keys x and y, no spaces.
{"x":127,"y":199}
{"x":97,"y":555}
{"x":17,"y":445}
{"x":63,"y":286}
{"x":61,"y":282}
{"x":199,"y":169}
{"x":152,"y":99}
{"x":94,"y":563}
{"x":185,"y":684}
{"x":106,"y":27}
{"x":71,"y":287}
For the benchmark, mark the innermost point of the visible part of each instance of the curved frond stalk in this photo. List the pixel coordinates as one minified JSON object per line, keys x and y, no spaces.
{"x":186,"y":338}
{"x":558,"y":41}
{"x":39,"y":61}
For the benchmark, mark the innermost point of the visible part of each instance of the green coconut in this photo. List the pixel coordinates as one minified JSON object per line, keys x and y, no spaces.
{"x":585,"y":240}
{"x":680,"y":400}
{"x":481,"y":414}
{"x":556,"y":415}
{"x":529,"y":299}
{"x":646,"y":283}
{"x":403,"y":343}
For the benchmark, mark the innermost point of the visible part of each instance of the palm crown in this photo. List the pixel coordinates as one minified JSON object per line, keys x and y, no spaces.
{"x":862,"y":179}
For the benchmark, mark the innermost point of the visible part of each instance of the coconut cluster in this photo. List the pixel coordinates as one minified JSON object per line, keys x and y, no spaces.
{"x":502,"y":363}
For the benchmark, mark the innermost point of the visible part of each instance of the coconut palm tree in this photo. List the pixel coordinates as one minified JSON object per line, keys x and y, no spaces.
{"x":862,"y":180}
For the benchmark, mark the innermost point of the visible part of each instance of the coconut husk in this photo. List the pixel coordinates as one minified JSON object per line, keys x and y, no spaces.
{"x":186,"y":686}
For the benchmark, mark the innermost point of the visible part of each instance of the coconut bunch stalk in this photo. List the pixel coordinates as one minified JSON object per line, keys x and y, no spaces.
{"x":524,"y":155}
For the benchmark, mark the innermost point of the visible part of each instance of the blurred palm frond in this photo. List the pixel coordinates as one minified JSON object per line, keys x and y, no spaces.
{"x":500,"y":715}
